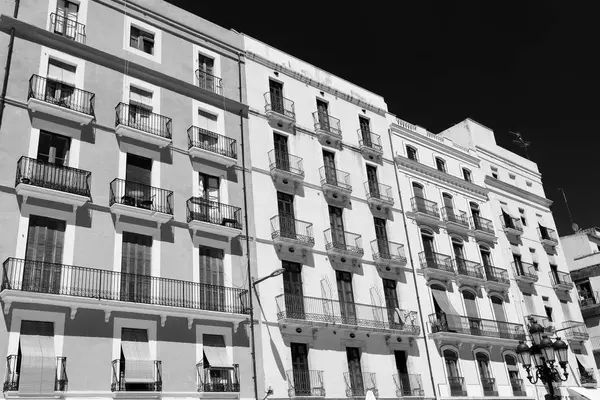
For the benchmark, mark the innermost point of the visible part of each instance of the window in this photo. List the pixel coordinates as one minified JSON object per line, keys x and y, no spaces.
{"x":486,"y":256}
{"x":66,"y":18}
{"x":61,"y":83}
{"x":513,"y":375}
{"x":336,"y":223}
{"x":411,"y":153}
{"x":323,"y":115}
{"x":292,"y":288}
{"x":136,"y":365}
{"x":512,"y":176}
{"x":372,"y":181}
{"x":391,"y":300}
{"x":487,"y":382}
{"x":534,"y":260}
{"x":301,"y":373}
{"x":522,"y":215}
{"x":140,"y":108}
{"x":212,"y":278}
{"x":207,"y":121}
{"x":455,"y":381}
{"x":440,"y":164}
{"x":494,"y":175}
{"x":53,"y":148}
{"x":548,"y":312}
{"x":141,"y":40}
{"x":218,"y":374}
{"x":206,"y":73}
{"x":355,"y":371}
{"x":346,"y":297}
{"x":467,"y":175}
{"x":45,"y":243}
{"x":499,"y":315}
{"x":330,"y":171}
{"x":428,"y":248}
{"x":138,"y":170}
{"x":276,"y":94}
{"x":35,"y":370}
{"x":136,"y":267}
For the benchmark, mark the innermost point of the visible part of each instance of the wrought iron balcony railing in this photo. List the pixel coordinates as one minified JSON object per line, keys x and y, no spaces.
{"x":211,"y":141}
{"x":489,"y":386}
{"x":283,"y":226}
{"x":120,"y":382}
{"x":358,"y":384}
{"x":319,"y":310}
{"x":408,"y":385}
{"x":436,"y":261}
{"x":457,"y":386}
{"x":213,"y":212}
{"x":575,"y":330}
{"x":335,"y":177}
{"x":327,"y":123}
{"x":495,"y":274}
{"x":140,"y":118}
{"x":68,"y":28}
{"x":61,"y":94}
{"x":442,"y":322}
{"x":517,"y":387}
{"x":385,"y":250}
{"x":280,"y":105}
{"x":588,"y":377}
{"x":589,"y":299}
{"x":141,"y":196}
{"x":209,"y":82}
{"x":509,"y":222}
{"x":370,"y":140}
{"x":52,"y":176}
{"x":451,"y":215}
{"x":345,"y":241}
{"x":13,"y":372}
{"x":468,"y":268}
{"x":547,"y":234}
{"x":286,"y":162}
{"x":421,"y":205}
{"x":524,"y":269}
{"x":304,"y":383}
{"x":560,"y":278}
{"x":69,"y":280}
{"x":483,"y":224}
{"x":218,"y":379}
{"x":378,"y":191}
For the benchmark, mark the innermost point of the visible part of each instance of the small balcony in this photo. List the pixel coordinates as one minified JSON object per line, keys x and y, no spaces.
{"x":379,"y":198}
{"x":328,"y":129}
{"x":69,"y":28}
{"x":489,"y":386}
{"x":370,"y":145}
{"x":548,"y":236}
{"x":287,"y":171}
{"x":436,"y":266}
{"x":589,"y":303}
{"x":141,"y":201}
{"x":588,"y":377}
{"x":496,"y":279}
{"x":209,"y":82}
{"x":122,"y":382}
{"x":52,"y":182}
{"x":388,"y":254}
{"x":561,"y":280}
{"x":483,"y":229}
{"x":335,"y":185}
{"x":408,"y":385}
{"x":456,"y":221}
{"x":343,"y":246}
{"x":475,"y":330}
{"x":524,"y":272}
{"x":214,"y":217}
{"x":218,"y":379}
{"x":305,"y":383}
{"x":457,"y":386}
{"x":48,"y":99}
{"x":425,"y":211}
{"x":13,"y":373}
{"x":292,"y":237}
{"x":512,"y":226}
{"x":281,"y":112}
{"x":358,"y":384}
{"x":575,"y":331}
{"x":468,"y":272}
{"x":138,"y":123}
{"x":206,"y":145}
{"x":518,"y":389}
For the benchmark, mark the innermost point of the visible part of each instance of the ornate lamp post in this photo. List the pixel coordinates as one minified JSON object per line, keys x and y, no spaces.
{"x":545,"y":353}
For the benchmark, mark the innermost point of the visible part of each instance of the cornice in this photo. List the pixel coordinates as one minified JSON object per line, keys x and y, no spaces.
{"x":524,"y":194}
{"x":309,"y":81}
{"x":491,"y":154}
{"x":426,"y":171}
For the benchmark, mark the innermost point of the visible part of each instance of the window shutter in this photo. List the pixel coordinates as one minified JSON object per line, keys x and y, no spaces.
{"x":211,"y":266}
{"x":61,"y":72}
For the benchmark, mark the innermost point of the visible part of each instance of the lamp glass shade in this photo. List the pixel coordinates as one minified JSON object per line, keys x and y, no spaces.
{"x":536,"y":331}
{"x":524,"y":355}
{"x":547,"y":349}
{"x":561,"y":350}
{"x":537,"y":356}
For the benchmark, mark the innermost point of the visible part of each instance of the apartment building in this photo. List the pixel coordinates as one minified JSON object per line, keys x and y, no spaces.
{"x":124,"y":264}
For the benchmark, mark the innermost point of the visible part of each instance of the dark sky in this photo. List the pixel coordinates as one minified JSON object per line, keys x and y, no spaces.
{"x":531,"y":68}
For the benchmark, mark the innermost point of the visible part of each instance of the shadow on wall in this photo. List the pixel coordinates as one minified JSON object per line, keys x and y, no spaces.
{"x":276,"y":355}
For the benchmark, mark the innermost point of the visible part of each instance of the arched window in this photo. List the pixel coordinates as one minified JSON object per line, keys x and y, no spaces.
{"x":411,"y":153}
{"x":447,"y":200}
{"x":418,"y":190}
{"x":467,"y":175}
{"x":451,"y":359}
{"x":513,"y":374}
{"x":419,"y":203}
{"x":487,"y":381}
{"x":440,"y":164}
{"x":472,"y":313}
{"x":486,"y":257}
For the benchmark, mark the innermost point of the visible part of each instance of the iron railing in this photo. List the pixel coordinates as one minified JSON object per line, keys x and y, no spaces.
{"x":436,"y":261}
{"x":62,"y":94}
{"x":286,"y":162}
{"x":575,"y":330}
{"x":483,"y":224}
{"x":421,"y":205}
{"x":280,"y":105}
{"x":213,"y":212}
{"x":13,"y":372}
{"x":119,"y":382}
{"x":524,"y":269}
{"x":517,"y":387}
{"x":457,"y":386}
{"x":408,"y":385}
{"x":587,"y":376}
{"x":320,"y":310}
{"x":442,"y":322}
{"x":560,"y":278}
{"x":285,"y":226}
{"x":70,"y":280}
{"x":489,"y":386}
{"x":304,"y":382}
{"x":589,"y":299}
{"x":449,"y":214}
{"x":211,"y":141}
{"x":215,"y":379}
{"x":335,"y":177}
{"x":547,"y":234}
{"x":138,"y":117}
{"x":370,"y":140}
{"x":327,"y":123}
{"x":141,"y":196}
{"x":468,"y":268}
{"x":209,"y":82}
{"x":378,"y":191}
{"x":509,"y":222}
{"x":68,"y":28}
{"x":52,"y":176}
{"x":495,"y":274}
{"x":336,"y":239}
{"x":385,"y":250}
{"x":358,"y":384}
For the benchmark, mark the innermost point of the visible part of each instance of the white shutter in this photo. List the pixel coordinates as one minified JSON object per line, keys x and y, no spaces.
{"x":61,"y":72}
{"x":207,"y":121}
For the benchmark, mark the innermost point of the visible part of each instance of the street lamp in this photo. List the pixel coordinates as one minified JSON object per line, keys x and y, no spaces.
{"x":273,"y":274}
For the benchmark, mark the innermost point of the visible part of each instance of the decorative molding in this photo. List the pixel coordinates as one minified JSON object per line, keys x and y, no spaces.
{"x":520,"y":193}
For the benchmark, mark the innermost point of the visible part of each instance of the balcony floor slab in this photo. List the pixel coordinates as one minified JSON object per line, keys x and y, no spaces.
{"x":209,"y":227}
{"x":140,"y":213}
{"x":58,"y":196}
{"x":54,"y":110}
{"x":137,"y":134}
{"x":203,"y":154}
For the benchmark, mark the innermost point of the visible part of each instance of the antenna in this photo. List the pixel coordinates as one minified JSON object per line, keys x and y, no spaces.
{"x":521,"y":142}
{"x":574,"y":226}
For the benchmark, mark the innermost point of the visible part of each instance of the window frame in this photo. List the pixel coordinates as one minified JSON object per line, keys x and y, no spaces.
{"x":130,"y":23}
{"x":467,"y":175}
{"x":414,"y":150}
{"x":440,"y":164}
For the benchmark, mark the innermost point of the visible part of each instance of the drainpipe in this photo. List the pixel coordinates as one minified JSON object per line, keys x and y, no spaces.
{"x":249,"y":270}
{"x":412,"y":264}
{"x":11,"y":43}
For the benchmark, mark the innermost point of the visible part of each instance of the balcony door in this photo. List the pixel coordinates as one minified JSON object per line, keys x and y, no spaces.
{"x":282,"y":157}
{"x":207,"y":134}
{"x":355,"y":371}
{"x":136,"y":266}
{"x":500,"y":316}
{"x":365,"y":131}
{"x":346,"y":297}
{"x":449,"y":207}
{"x":292,"y":289}
{"x":554,"y":271}
{"x":476,"y":214}
{"x":140,"y":110}
{"x":518,"y":264}
{"x":53,"y":148}
{"x":276,"y":94}
{"x":208,"y":207}
{"x":402,"y":369}
{"x":287,"y":221}
{"x":138,"y":178}
{"x":323,"y":113}
{"x":53,"y":151}
{"x":300,"y":369}
{"x":483,"y":365}
{"x":391,"y":302}
{"x":454,"y":378}
{"x":60,"y":84}
{"x":336,"y":223}
{"x":429,"y":249}
{"x":212,"y":279}
{"x":420,"y":202}
{"x":66,"y":18}
{"x":330,"y":171}
{"x":372,"y":181}
{"x":206,"y":71}
{"x":382,"y":238}
{"x":457,"y":249}
{"x":472,"y":312}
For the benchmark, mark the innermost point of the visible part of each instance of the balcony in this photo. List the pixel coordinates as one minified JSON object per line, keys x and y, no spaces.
{"x":304,"y":311}
{"x":370,"y":145}
{"x":328,"y":129}
{"x":138,"y":123}
{"x":305,"y":383}
{"x":281,"y":112}
{"x":457,"y":386}
{"x":336,"y":186}
{"x":425,"y":211}
{"x":512,"y":226}
{"x":561,"y":280}
{"x":52,"y":182}
{"x":408,"y":385}
{"x":358,"y":384}
{"x":49,"y":99}
{"x":524,"y":272}
{"x":136,"y":200}
{"x":292,"y":237}
{"x":517,"y":386}
{"x":218,"y":379}
{"x":483,"y":229}
{"x":542,"y":320}
{"x":456,"y":221}
{"x":69,"y":28}
{"x":211,"y":146}
{"x":489,"y":386}
{"x":388,"y":254}
{"x":209,"y":82}
{"x":589,"y":303}
{"x":287,"y":171}
{"x":379,"y":198}
{"x":548,"y":236}
{"x":575,"y":331}
{"x":588,"y":377}
{"x":475,"y":330}
{"x":13,"y":373}
{"x":436,"y":266}
{"x":468,"y":272}
{"x":342,"y":245}
{"x":75,"y":287}
{"x":496,"y":279}
{"x":121,"y":383}
{"x":214,"y":217}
